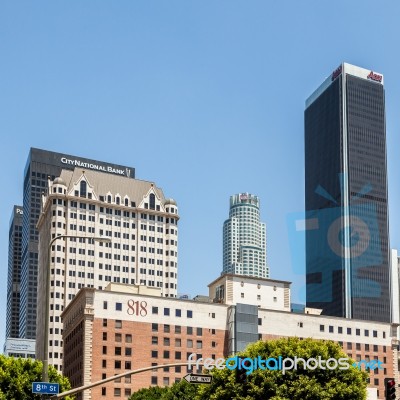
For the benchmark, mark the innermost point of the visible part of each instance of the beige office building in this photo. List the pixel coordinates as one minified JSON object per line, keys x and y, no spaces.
{"x":142,"y":228}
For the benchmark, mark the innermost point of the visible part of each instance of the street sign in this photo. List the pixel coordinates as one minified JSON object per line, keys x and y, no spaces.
{"x":197,"y":378}
{"x":45,"y":387}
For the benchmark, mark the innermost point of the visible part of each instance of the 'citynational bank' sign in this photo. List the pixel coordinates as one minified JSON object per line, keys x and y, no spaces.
{"x":112,"y":169}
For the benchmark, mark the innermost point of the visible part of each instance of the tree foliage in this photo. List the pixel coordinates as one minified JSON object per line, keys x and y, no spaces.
{"x":17,"y":375}
{"x":300,"y":384}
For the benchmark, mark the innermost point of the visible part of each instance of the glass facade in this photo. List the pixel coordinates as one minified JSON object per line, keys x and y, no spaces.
{"x":347,"y":246}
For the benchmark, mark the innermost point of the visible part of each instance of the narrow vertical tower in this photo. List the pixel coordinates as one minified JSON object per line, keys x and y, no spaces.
{"x":14,"y":273}
{"x":346,"y":200}
{"x":244,"y":238}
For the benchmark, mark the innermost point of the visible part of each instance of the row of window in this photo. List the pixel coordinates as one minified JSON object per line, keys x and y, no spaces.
{"x":349,"y":331}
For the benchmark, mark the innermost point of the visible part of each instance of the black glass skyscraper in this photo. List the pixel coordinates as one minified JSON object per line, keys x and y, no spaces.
{"x":40,"y":165}
{"x":14,"y":273}
{"x":347,"y":244}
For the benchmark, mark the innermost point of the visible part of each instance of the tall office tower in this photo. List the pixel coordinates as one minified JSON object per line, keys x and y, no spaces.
{"x":346,"y":200}
{"x":14,"y":273}
{"x":140,"y":224}
{"x":39,"y":166}
{"x":245,"y":250}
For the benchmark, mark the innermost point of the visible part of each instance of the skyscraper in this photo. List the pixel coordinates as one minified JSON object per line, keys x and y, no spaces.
{"x":244,"y":238}
{"x":40,"y":165}
{"x":14,"y":273}
{"x":141,"y":228}
{"x":346,"y":201}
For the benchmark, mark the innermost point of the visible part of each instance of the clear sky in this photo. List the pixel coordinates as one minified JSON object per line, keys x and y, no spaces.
{"x":206,"y":98}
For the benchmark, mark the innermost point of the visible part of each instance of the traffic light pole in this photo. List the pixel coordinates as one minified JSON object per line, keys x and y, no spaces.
{"x":113,"y":378}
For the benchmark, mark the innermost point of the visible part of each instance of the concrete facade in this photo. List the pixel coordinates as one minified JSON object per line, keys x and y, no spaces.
{"x":140,"y":223}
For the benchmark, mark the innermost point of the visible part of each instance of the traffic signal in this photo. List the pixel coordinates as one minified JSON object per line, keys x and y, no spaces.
{"x":390,"y":389}
{"x":241,"y":372}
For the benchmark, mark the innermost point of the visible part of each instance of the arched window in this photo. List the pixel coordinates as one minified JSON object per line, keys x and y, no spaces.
{"x":108,"y":199}
{"x":126,"y":202}
{"x":83,"y":190}
{"x":152,"y":201}
{"x":117,"y":200}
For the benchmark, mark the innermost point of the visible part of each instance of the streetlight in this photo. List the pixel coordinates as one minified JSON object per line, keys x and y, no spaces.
{"x":45,"y":373}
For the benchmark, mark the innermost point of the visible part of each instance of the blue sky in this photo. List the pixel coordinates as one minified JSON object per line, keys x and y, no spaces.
{"x":206,"y":98}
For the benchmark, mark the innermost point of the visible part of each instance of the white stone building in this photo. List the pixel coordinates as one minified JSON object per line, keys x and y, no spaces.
{"x":140,"y":224}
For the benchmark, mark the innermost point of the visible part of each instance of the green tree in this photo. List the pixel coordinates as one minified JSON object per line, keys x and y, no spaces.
{"x":17,"y":375}
{"x":181,"y":391}
{"x":178,"y":391}
{"x":151,"y":393}
{"x":300,"y":384}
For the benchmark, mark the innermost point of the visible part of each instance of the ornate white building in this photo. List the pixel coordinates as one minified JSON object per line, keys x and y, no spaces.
{"x":244,"y":241}
{"x":140,"y":224}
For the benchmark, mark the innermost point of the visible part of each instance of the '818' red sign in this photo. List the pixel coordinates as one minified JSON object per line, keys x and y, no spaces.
{"x":138,"y":308}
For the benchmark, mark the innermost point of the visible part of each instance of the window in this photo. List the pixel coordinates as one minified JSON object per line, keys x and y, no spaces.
{"x":189,"y":314}
{"x":166,"y":354}
{"x":166,"y":328}
{"x":349,"y":346}
{"x":154,"y":380}
{"x":83,"y":188}
{"x":166,"y":311}
{"x":128,"y":351}
{"x":178,"y":355}
{"x":118,"y":337}
{"x":340,"y":329}
{"x":375,"y":333}
{"x":104,"y":349}
{"x":166,"y":342}
{"x":104,"y":305}
{"x":154,"y":354}
{"x":117,"y":364}
{"x":199,"y":344}
{"x":118,"y":306}
{"x":178,"y":313}
{"x":104,"y":335}
{"x":154,"y":310}
{"x":104,"y":322}
{"x":152,"y":201}
{"x":366,"y":332}
{"x":117,"y":392}
{"x":189,"y":330}
{"x":154,"y":327}
{"x":349,"y":331}
{"x":330,"y":329}
{"x":189,"y":343}
{"x":177,"y":329}
{"x":178,"y":342}
{"x":322,"y":328}
{"x":118,"y":351}
{"x":128,"y":338}
{"x":199,"y":331}
{"x":154,"y":340}
{"x":118,"y":324}
{"x":358,"y":332}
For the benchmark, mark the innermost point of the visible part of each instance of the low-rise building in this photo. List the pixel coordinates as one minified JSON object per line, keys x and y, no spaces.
{"x":108,"y":332}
